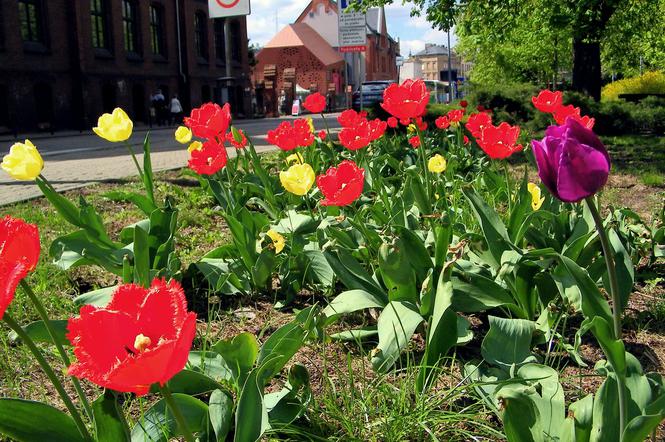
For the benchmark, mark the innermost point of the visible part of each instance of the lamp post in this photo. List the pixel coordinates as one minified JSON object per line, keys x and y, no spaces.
{"x":450,"y":71}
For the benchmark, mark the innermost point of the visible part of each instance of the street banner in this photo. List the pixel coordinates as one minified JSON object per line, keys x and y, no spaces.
{"x":228,"y":8}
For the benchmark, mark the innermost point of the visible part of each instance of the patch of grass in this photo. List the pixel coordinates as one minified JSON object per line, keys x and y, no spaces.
{"x":356,"y":405}
{"x":653,"y":179}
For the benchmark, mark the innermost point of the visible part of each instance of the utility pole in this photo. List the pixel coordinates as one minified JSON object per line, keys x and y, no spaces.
{"x":450,"y":71}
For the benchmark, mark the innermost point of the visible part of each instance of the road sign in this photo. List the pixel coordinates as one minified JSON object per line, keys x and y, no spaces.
{"x":352,"y":31}
{"x":228,"y":8}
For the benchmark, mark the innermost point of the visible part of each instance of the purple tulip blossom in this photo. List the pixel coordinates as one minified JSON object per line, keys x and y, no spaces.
{"x":572,"y":162}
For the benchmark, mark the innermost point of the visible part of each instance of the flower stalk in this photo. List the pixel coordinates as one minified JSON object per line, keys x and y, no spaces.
{"x":608,"y":253}
{"x":177,"y":414}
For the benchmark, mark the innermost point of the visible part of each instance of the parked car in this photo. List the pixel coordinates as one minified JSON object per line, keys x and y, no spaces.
{"x":372,"y":93}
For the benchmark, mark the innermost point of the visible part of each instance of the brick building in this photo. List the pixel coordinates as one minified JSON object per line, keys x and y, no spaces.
{"x":64,"y":62}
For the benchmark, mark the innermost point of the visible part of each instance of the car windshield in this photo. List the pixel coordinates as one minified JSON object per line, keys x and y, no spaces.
{"x":374,"y":87}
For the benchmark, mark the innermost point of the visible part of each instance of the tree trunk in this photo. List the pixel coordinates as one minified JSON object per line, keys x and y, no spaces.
{"x":586,"y":68}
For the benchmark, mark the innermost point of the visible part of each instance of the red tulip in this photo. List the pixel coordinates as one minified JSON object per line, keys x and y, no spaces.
{"x":237,"y":144}
{"x":456,"y":115}
{"x":477,"y":123}
{"x":422,"y":125}
{"x":288,"y":137}
{"x":322,"y":135}
{"x":210,"y":120}
{"x":499,"y":141}
{"x":315,"y":103}
{"x":466,"y":140}
{"x":19,"y":254}
{"x":376,"y":129}
{"x":442,"y":122}
{"x":392,"y":122}
{"x":548,"y":101}
{"x":341,"y":185}
{"x":209,"y":159}
{"x":406,"y":101}
{"x":143,"y":336}
{"x":562,"y":113}
{"x":414,"y":141}
{"x":464,"y":103}
{"x":349,"y":118}
{"x":355,"y":137}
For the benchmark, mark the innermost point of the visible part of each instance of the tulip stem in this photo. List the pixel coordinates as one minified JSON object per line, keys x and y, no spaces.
{"x":48,"y":370}
{"x":136,"y":163}
{"x":608,"y":253}
{"x":177,"y":414}
{"x":325,"y":123}
{"x":509,"y":194}
{"x":63,"y":354}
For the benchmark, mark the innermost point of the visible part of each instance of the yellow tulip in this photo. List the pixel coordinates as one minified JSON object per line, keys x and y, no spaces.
{"x":298,"y":179}
{"x":536,"y":200}
{"x":311,"y":124}
{"x":23,"y":163}
{"x":411,"y":129}
{"x":294,"y":158}
{"x":183,"y":135}
{"x":196,"y":145}
{"x":437,"y":164}
{"x":277,"y":240}
{"x":114,"y":127}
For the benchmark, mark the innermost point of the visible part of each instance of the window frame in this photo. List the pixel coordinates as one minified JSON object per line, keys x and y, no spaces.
{"x":100,"y":17}
{"x":157,"y":30}
{"x":38,"y":42}
{"x":131,"y":23}
{"x":201,"y":36}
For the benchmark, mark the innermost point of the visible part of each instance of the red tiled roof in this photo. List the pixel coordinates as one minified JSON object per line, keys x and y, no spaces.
{"x":301,"y":34}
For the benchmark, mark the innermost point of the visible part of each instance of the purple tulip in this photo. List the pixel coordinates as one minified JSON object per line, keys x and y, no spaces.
{"x":572,"y":162}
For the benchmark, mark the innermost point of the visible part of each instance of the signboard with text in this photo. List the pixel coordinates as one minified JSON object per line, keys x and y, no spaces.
{"x":228,"y":8}
{"x":352,"y":30}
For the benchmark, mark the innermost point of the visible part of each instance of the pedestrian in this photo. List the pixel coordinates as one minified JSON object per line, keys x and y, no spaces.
{"x":159,"y":103}
{"x":176,"y":110}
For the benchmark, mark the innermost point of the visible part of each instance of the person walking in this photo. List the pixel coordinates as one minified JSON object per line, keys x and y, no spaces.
{"x":176,"y":110}
{"x":159,"y":103}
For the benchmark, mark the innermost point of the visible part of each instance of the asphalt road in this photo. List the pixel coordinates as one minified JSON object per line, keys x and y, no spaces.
{"x":74,"y":160}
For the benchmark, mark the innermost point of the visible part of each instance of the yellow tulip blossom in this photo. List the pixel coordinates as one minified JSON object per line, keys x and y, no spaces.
{"x":437,"y":164}
{"x":114,"y":127}
{"x":294,"y":158}
{"x":23,"y":162}
{"x":311,"y":124}
{"x":536,"y":200}
{"x":277,"y":240}
{"x":298,"y":179}
{"x":196,"y":145}
{"x":183,"y":135}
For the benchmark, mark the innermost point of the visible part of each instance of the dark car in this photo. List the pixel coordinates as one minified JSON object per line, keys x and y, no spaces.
{"x":372,"y":94}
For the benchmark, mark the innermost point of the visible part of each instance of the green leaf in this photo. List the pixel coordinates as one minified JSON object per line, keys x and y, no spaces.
{"x":476,"y":293}
{"x":141,"y":258}
{"x":593,"y":303}
{"x":64,"y":207}
{"x":639,"y":428}
{"x":355,"y":335}
{"x":39,"y":333}
{"x":142,"y":202}
{"x":297,"y":224}
{"x":349,"y":271}
{"x":508,"y":342}
{"x":397,"y":323}
{"x":263,"y":269}
{"x":147,"y":169}
{"x":521,"y":418}
{"x":211,"y":364}
{"x":317,"y":268}
{"x":442,"y":332}
{"x":240,"y":353}
{"x":220,"y":408}
{"x":351,"y":301}
{"x":581,"y":412}
{"x":624,"y":269}
{"x":76,"y":248}
{"x":251,"y":413}
{"x":190,"y":382}
{"x":98,"y":298}
{"x":110,"y":424}
{"x":547,"y":395}
{"x":282,"y":345}
{"x":397,"y":274}
{"x":606,"y":412}
{"x":493,"y":228}
{"x":28,"y":421}
{"x":158,"y":423}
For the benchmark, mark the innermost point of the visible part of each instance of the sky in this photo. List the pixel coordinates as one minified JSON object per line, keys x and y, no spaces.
{"x":413,"y":32}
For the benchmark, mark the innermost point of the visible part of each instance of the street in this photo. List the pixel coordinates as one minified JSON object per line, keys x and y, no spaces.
{"x":76,"y":160}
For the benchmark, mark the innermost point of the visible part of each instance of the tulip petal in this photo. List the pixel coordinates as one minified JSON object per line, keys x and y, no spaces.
{"x":583,"y":170}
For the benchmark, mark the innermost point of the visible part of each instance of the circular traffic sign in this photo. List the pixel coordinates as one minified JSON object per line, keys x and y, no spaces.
{"x":227,"y":3}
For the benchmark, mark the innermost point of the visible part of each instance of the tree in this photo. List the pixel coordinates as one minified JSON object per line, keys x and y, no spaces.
{"x":579,"y":25}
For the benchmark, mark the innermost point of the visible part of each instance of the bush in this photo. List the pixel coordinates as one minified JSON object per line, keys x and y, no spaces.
{"x":648,"y":83}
